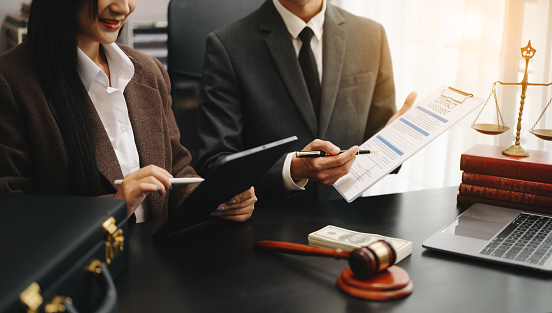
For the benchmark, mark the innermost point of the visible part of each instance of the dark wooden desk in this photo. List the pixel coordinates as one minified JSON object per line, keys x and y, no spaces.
{"x":216,"y":269}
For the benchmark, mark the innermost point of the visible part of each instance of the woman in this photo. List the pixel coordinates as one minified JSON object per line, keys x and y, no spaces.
{"x":78,"y":112}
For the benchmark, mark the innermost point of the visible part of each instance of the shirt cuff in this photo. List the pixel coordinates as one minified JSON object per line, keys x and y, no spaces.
{"x":286,"y":175}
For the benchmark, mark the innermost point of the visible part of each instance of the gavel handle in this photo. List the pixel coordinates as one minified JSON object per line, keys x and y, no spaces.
{"x":296,"y":248}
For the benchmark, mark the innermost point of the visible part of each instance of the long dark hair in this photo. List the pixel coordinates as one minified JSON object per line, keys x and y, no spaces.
{"x":52,"y":37}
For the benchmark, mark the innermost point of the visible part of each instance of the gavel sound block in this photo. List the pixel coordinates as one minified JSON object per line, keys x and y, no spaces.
{"x":371,"y":274}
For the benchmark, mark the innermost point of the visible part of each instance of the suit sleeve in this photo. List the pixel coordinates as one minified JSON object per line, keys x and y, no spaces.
{"x":220,"y":113}
{"x":15,"y":167}
{"x":221,"y":119}
{"x":181,"y":158}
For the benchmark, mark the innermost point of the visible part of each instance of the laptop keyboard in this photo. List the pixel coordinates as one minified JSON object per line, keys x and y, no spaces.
{"x":527,"y":238}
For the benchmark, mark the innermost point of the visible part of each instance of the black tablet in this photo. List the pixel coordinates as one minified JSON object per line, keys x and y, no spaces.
{"x":241,"y":169}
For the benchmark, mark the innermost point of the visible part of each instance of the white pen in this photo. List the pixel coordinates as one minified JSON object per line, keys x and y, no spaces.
{"x":185,"y":180}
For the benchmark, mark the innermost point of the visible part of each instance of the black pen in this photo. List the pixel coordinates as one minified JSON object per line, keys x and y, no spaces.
{"x":316,"y":154}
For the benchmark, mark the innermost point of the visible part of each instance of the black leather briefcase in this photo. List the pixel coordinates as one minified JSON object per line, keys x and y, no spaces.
{"x":61,"y":253}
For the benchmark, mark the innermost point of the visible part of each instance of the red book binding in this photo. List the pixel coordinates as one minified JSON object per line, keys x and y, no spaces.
{"x":506,"y":183}
{"x":471,"y":200}
{"x":489,"y":160}
{"x":505,"y":195}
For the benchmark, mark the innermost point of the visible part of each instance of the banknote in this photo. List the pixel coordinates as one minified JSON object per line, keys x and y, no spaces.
{"x":334,"y":237}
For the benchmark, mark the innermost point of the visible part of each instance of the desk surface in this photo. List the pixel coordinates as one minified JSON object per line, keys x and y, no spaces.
{"x":216,"y":269}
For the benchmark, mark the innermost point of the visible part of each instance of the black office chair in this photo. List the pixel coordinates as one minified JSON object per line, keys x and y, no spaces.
{"x":190,"y":21}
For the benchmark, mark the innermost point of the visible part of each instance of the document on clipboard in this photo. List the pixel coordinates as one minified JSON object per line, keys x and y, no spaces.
{"x":405,"y":136}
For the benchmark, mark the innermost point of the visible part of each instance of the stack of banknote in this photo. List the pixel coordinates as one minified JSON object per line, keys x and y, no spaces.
{"x":333,"y":237}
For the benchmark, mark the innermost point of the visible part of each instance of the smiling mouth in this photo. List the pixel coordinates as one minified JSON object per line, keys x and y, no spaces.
{"x":111,"y":23}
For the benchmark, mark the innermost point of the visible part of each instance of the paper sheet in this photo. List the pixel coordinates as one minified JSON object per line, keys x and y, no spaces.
{"x":405,"y":136}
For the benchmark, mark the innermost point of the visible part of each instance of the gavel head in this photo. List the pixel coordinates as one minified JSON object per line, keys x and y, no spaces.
{"x":366,"y":262}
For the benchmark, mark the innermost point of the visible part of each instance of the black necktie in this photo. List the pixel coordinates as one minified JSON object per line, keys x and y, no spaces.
{"x":309,"y":68}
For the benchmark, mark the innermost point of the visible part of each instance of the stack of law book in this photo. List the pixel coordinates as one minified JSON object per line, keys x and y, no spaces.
{"x":491,"y":177}
{"x":333,"y":237}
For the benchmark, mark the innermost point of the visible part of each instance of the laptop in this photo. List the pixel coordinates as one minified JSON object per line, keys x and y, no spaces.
{"x":498,"y":234}
{"x":234,"y":174}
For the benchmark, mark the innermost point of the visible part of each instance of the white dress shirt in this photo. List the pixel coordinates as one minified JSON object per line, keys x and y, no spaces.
{"x":295,"y":25}
{"x":111,"y":105}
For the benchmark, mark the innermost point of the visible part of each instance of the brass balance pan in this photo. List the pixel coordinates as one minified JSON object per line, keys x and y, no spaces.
{"x":544,"y":134}
{"x":490,"y":129}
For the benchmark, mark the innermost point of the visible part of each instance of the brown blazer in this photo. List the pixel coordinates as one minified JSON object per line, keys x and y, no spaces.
{"x":33,"y":157}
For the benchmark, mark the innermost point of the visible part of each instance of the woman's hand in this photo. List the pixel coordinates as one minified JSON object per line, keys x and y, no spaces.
{"x":137,"y":185}
{"x":239,"y":208}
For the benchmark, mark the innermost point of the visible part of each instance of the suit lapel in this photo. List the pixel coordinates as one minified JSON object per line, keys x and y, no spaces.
{"x":280,"y":47}
{"x":108,"y":164}
{"x":335,"y":41}
{"x":147,"y":120}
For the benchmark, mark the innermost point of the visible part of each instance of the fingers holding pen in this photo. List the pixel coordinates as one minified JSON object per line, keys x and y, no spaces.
{"x":341,"y":158}
{"x":137,"y":185}
{"x":325,"y":170}
{"x":135,"y":191}
{"x":322,"y":145}
{"x":336,"y":166}
{"x":333,"y":161}
{"x":303,"y":168}
{"x":150,"y":171}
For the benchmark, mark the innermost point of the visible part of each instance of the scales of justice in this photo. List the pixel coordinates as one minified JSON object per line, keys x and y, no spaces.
{"x":496,"y":129}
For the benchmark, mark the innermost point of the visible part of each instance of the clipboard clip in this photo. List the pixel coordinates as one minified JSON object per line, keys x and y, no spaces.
{"x":455,"y":95}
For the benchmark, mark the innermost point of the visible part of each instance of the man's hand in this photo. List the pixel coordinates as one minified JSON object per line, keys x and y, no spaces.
{"x":325,"y":170}
{"x":408,"y":102}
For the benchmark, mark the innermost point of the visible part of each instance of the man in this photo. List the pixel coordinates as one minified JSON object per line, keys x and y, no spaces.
{"x":258,"y":88}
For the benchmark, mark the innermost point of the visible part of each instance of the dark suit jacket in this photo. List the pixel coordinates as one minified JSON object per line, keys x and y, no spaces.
{"x":32,"y":153}
{"x":253,"y":91}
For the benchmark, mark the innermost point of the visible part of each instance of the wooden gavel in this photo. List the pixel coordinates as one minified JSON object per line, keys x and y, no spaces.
{"x":365,"y":262}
